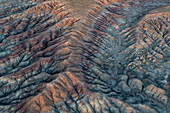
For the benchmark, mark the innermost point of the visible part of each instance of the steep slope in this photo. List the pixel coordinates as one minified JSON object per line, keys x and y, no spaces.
{"x":34,"y":51}
{"x":116,"y":62}
{"x":118,"y":65}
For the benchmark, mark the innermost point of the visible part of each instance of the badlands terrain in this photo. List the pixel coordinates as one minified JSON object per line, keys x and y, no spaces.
{"x":84,"y":56}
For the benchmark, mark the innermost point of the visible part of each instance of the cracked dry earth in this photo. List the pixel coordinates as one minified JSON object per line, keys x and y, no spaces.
{"x":114,"y":58}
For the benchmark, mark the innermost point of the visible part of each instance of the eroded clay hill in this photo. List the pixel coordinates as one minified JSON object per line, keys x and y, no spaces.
{"x":114,"y":61}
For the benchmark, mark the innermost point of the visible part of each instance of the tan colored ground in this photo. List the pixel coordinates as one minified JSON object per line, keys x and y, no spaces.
{"x":81,"y":6}
{"x":50,"y":74}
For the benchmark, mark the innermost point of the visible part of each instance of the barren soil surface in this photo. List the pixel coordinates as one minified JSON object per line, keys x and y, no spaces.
{"x":84,"y":56}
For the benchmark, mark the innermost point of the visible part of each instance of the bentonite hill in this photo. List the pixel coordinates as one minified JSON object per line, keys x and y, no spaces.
{"x":84,"y":56}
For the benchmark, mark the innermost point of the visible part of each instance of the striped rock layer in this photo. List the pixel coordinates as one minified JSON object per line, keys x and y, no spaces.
{"x":116,"y":61}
